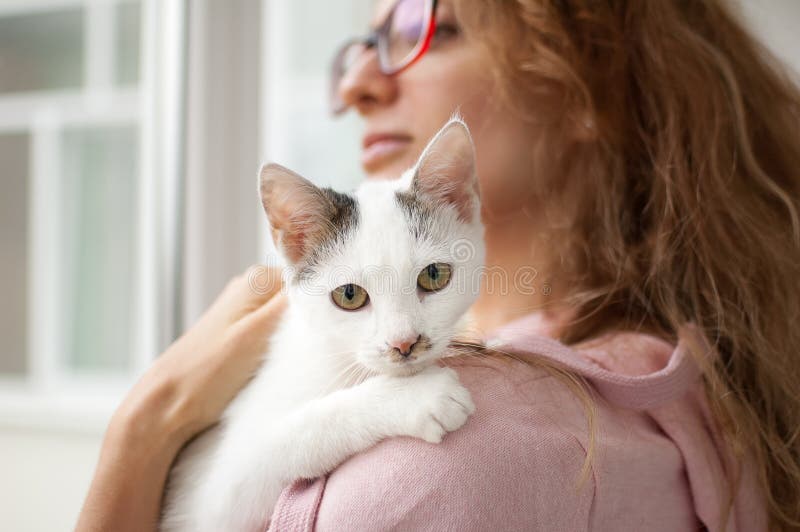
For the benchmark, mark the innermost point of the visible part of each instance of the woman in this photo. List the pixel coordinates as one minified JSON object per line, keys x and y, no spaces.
{"x":644,"y":158}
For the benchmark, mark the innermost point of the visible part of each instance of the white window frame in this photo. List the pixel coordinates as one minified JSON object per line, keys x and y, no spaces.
{"x":49,"y":395}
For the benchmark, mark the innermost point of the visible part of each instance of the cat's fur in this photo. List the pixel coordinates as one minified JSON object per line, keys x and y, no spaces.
{"x":331,"y":386}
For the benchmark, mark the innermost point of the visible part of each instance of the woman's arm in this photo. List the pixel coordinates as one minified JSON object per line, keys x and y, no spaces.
{"x":184,"y":391}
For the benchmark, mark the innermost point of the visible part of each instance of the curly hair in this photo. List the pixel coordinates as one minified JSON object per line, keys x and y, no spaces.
{"x":684,"y":182}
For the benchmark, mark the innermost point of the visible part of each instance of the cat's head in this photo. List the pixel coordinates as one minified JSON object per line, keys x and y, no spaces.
{"x":384,"y":275}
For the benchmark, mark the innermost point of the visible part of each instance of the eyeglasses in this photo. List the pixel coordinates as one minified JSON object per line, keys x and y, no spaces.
{"x":401,"y":40}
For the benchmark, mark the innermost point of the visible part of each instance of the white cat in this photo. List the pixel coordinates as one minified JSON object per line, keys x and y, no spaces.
{"x":380,"y":282}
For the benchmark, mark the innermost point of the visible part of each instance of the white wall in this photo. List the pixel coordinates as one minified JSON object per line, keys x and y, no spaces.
{"x":44,"y":476}
{"x":777,"y":23}
{"x":44,"y":473}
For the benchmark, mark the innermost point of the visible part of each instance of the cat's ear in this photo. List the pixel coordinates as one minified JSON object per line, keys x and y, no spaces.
{"x":446,"y":170}
{"x":299,"y":212}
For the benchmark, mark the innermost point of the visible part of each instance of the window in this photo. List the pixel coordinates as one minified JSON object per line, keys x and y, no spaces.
{"x":82,"y":144}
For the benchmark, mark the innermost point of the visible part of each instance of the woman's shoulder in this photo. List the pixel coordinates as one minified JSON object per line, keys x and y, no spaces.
{"x":480,"y":477}
{"x":517,"y":464}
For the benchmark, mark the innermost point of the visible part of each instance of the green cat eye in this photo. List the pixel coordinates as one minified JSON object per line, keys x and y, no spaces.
{"x":349,"y":297}
{"x":434,"y":276}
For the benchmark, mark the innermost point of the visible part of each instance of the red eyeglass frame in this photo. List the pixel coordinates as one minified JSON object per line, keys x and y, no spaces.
{"x":374,"y":40}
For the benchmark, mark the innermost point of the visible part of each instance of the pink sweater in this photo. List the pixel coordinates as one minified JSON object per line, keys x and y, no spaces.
{"x":515,"y":465}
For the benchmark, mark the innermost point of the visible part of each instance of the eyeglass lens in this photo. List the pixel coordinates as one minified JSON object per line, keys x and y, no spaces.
{"x":405,"y":32}
{"x":399,"y":40}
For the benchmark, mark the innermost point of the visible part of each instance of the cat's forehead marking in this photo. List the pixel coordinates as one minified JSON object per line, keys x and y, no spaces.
{"x":343,"y":221}
{"x":418,"y":210}
{"x":345,"y":216}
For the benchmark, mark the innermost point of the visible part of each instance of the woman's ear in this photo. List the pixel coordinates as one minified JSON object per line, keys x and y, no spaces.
{"x":446,"y":172}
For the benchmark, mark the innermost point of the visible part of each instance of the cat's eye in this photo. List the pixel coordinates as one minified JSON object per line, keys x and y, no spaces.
{"x":434,"y":277}
{"x":349,"y":297}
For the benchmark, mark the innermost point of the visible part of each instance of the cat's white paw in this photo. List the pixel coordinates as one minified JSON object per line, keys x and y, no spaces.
{"x":432,"y":403}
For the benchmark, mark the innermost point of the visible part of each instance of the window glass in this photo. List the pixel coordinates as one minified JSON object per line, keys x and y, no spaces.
{"x":98,"y":236}
{"x":300,"y":130}
{"x":330,"y":23}
{"x":127,"y":19}
{"x":41,"y":51}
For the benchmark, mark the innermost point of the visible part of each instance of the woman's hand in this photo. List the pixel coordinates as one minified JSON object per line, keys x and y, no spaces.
{"x":184,"y":391}
{"x":191,"y":383}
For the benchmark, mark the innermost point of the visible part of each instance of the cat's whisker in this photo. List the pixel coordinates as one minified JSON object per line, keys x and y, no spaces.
{"x":362,"y":375}
{"x":343,"y":377}
{"x":342,"y":374}
{"x":468,"y":349}
{"x":351,"y":377}
{"x":366,"y":374}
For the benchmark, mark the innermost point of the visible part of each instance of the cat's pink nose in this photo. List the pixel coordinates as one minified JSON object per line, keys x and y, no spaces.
{"x":404,"y":345}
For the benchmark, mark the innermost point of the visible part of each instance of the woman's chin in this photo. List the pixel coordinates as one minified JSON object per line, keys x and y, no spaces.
{"x":383,"y":171}
{"x":387,"y":166}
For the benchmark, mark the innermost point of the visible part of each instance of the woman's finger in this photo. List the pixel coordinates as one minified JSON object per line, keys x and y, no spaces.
{"x":265,"y":319}
{"x":254,"y":329}
{"x":263,"y":282}
{"x":244,"y":294}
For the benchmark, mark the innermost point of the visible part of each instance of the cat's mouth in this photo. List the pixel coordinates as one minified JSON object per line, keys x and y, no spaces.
{"x":395,"y":363}
{"x":417,"y":350}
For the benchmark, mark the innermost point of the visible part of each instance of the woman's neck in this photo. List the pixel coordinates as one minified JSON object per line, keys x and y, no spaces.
{"x":518,"y":278}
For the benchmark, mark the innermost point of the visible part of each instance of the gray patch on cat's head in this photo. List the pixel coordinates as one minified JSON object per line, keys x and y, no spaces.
{"x":343,"y":221}
{"x":418,"y":211}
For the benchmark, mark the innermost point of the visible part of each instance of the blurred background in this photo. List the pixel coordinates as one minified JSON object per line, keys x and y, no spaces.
{"x":131,"y":133}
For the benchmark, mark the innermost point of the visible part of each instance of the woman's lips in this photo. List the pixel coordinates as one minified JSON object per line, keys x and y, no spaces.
{"x":381,"y":146}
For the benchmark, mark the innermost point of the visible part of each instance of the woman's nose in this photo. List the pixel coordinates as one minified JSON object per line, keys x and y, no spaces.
{"x":364,"y":86}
